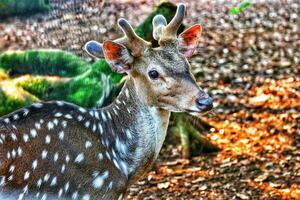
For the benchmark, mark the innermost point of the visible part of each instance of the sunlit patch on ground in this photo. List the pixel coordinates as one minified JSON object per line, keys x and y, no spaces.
{"x":268,"y":136}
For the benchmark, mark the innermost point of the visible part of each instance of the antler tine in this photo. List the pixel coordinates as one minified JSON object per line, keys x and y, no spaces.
{"x":171,"y":29}
{"x":131,"y":40}
{"x":159,"y":22}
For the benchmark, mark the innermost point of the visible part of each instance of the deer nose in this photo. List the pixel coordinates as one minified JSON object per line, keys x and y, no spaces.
{"x":204,"y":104}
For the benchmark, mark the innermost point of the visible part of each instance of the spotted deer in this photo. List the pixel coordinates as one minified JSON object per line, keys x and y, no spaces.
{"x":57,"y":150}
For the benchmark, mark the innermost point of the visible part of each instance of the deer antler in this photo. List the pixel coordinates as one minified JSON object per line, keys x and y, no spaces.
{"x":133,"y":42}
{"x":136,"y":44}
{"x":162,"y":31}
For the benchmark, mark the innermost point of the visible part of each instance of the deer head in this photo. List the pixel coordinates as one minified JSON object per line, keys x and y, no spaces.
{"x":161,"y":75}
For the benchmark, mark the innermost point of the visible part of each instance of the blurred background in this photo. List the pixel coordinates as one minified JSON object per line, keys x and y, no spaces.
{"x":248,"y":59}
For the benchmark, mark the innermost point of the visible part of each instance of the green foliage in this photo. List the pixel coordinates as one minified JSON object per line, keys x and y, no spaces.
{"x":240,"y":7}
{"x":12,"y":7}
{"x":42,"y":62}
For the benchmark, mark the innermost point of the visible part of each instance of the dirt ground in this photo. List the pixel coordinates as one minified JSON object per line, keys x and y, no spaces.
{"x":249,"y":63}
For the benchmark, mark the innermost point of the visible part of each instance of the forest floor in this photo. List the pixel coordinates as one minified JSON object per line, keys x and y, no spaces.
{"x":249,"y":63}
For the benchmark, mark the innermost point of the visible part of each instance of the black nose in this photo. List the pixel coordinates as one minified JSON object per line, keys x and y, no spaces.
{"x":204,"y":104}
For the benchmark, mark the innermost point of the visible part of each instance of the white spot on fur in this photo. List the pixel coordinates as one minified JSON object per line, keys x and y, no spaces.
{"x":100,"y":156}
{"x":47,"y":139}
{"x":55,"y":121}
{"x":115,"y":111}
{"x":79,"y":158}
{"x":109,"y":115}
{"x":86,"y":197}
{"x":55,"y":158}
{"x":14,"y":137}
{"x":16,"y":116}
{"x":25,"y":112}
{"x":64,"y":124}
{"x":44,"y":197}
{"x":99,"y":180}
{"x":103,"y":116}
{"x":82,"y":110}
{"x":87,"y":124}
{"x":79,"y":118}
{"x":94,"y":127}
{"x":67,"y":185}
{"x":59,"y":114}
{"x":75,"y":195}
{"x":20,"y":151}
{"x":63,"y":168}
{"x":50,"y":125}
{"x":60,"y":192}
{"x":54,"y":181}
{"x":96,"y":114}
{"x":25,"y":138}
{"x":13,"y":153}
{"x":12,"y":168}
{"x":100,"y":128}
{"x":34,"y":164}
{"x":46,"y":177}
{"x":91,"y":113}
{"x":88,"y":144}
{"x":67,"y":158}
{"x":39,"y":183}
{"x":61,"y":135}
{"x":26,"y":175}
{"x":44,"y":154}
{"x":33,"y":133}
{"x":68,"y":116}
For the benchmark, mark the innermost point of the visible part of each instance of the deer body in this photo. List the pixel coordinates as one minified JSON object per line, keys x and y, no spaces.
{"x":57,"y":150}
{"x":124,"y":137}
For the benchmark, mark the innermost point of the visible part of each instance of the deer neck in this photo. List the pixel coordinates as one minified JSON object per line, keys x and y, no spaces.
{"x":138,"y":130}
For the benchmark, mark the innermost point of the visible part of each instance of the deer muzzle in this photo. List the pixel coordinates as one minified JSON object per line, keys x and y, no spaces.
{"x":204,"y":104}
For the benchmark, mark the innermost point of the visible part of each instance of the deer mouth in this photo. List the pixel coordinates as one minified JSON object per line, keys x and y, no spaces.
{"x":198,"y":112}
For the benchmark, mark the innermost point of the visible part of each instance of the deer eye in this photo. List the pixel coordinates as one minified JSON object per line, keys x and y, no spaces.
{"x":153,"y":74}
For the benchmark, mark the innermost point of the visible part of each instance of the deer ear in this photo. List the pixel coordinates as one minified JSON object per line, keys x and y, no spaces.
{"x":189,"y":39}
{"x":117,"y":56}
{"x":94,"y":49}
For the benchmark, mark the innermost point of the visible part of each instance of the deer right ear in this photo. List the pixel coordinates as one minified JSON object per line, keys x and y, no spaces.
{"x":94,"y":49}
{"x":189,"y":39}
{"x":117,"y":56}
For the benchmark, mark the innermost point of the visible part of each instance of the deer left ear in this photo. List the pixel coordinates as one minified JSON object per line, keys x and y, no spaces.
{"x":189,"y":39}
{"x":117,"y":56}
{"x":94,"y":49}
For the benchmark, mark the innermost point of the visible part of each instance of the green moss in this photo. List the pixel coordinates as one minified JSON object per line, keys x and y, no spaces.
{"x":37,"y":86}
{"x":10,"y":103}
{"x":42,"y":62}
